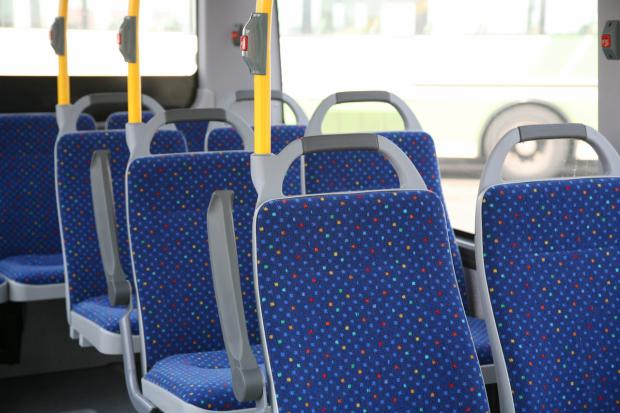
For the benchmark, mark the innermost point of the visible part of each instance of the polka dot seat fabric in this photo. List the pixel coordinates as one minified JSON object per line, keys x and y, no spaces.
{"x":34,"y":269}
{"x":360,"y":307}
{"x":227,"y":139}
{"x":200,"y":379}
{"x":362,"y":170}
{"x":84,"y":269}
{"x":551,"y":259}
{"x":168,"y":201}
{"x":30,"y":249}
{"x":194,"y":132}
{"x":99,"y":310}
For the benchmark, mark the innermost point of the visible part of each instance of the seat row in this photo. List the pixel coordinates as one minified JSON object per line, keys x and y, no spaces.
{"x":362,"y":297}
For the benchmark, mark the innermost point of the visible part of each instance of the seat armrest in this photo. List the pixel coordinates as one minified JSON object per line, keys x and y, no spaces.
{"x":138,"y":401}
{"x":247,"y":378}
{"x":119,"y":289}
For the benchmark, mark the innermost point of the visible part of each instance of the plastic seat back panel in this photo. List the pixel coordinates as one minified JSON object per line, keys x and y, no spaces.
{"x":74,"y":154}
{"x":552,"y":262}
{"x":360,"y":306}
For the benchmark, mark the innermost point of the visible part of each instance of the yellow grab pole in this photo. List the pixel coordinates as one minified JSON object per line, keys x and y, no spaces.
{"x":63,"y":86}
{"x":262,"y":92}
{"x":134,"y":82}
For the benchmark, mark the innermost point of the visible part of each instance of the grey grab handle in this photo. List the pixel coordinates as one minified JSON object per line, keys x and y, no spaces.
{"x":316,"y":122}
{"x":68,"y":115}
{"x":269,"y":171}
{"x":137,"y":399}
{"x":556,"y":131}
{"x":277,"y":95}
{"x":247,"y":378}
{"x":139,"y":136}
{"x":349,"y":142}
{"x":119,"y":289}
{"x":492,"y":173}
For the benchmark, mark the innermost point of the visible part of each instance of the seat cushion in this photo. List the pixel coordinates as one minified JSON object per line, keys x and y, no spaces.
{"x":200,"y":379}
{"x":482,"y":343}
{"x":99,"y":311}
{"x":34,"y":269}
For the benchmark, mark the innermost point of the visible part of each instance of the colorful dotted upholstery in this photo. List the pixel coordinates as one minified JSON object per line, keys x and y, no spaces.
{"x":482,"y":343}
{"x":82,"y":257}
{"x":227,"y":139}
{"x":29,"y":237}
{"x":360,"y":306}
{"x":33,"y":269}
{"x":200,"y":379}
{"x":100,"y":311}
{"x":552,"y":261}
{"x":330,"y":172}
{"x":169,"y":197}
{"x":194,"y":132}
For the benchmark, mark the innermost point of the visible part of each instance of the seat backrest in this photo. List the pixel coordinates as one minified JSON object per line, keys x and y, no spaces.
{"x":551,"y":262}
{"x":194,"y":132}
{"x":358,"y":170}
{"x":28,"y":219}
{"x":359,"y":305}
{"x":168,"y":201}
{"x":74,"y":153}
{"x":227,"y":139}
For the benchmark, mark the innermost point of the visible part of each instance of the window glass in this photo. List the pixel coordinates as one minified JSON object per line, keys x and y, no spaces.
{"x":167,"y":37}
{"x":470,"y":70}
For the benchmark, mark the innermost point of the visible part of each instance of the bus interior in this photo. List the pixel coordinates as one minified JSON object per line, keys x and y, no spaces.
{"x":309,"y":206}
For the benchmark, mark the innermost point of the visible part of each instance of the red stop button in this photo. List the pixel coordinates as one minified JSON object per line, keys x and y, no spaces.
{"x":244,"y":43}
{"x":606,"y":41}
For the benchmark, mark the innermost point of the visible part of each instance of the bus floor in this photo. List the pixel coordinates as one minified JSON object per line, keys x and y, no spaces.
{"x":94,"y":390}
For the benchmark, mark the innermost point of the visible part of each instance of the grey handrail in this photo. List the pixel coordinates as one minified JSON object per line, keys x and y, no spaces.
{"x":139,"y":136}
{"x":248,"y":95}
{"x":119,"y":289}
{"x":137,"y":399}
{"x":492,"y":173}
{"x":67,"y":116}
{"x":269,"y":171}
{"x":316,"y":122}
{"x":247,"y":378}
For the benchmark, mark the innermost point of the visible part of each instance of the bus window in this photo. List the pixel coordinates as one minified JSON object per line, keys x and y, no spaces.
{"x":168,"y":38}
{"x":470,"y":70}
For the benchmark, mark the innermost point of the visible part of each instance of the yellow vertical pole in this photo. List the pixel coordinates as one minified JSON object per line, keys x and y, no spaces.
{"x":63,"y":86}
{"x":134,"y":81}
{"x":262,"y":92}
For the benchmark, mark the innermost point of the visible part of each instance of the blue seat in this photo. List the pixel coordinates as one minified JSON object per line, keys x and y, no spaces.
{"x":30,"y":250}
{"x":227,"y":139}
{"x":102,"y":313}
{"x":551,"y":261}
{"x":194,"y":132}
{"x":362,"y":170}
{"x":360,"y":306}
{"x":169,"y":196}
{"x":199,"y":379}
{"x":92,"y":319}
